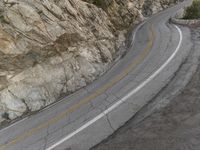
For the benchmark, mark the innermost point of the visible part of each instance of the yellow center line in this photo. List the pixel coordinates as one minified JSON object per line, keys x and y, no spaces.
{"x":86,"y":100}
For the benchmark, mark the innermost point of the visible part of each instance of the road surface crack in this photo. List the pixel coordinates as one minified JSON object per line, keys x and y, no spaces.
{"x":46,"y":139}
{"x":107,"y":117}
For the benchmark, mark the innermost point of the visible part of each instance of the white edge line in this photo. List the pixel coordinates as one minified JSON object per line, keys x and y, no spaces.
{"x":46,"y":108}
{"x":124,"y":98}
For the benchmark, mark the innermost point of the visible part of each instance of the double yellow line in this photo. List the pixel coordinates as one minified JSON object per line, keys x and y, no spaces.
{"x":86,"y":100}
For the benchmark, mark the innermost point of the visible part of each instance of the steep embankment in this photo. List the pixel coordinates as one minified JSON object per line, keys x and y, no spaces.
{"x":50,"y":48}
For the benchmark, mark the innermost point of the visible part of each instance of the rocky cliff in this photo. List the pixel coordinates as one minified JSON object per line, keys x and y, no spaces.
{"x":50,"y":48}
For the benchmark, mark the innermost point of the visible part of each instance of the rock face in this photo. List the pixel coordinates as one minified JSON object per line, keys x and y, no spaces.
{"x":53,"y":47}
{"x":152,"y":6}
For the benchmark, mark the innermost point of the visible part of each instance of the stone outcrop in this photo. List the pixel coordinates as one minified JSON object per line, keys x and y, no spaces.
{"x":187,"y":22}
{"x":51,"y":48}
{"x":179,"y":19}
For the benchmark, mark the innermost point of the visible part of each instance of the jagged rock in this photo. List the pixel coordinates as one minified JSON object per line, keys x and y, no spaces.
{"x":53,"y":47}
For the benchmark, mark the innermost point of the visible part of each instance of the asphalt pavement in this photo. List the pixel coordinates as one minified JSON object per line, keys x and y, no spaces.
{"x":90,"y":115}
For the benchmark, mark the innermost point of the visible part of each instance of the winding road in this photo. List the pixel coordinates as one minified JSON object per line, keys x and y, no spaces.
{"x":88,"y":116}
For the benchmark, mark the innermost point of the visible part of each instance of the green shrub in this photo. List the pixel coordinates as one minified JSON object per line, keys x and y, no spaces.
{"x":98,"y":3}
{"x":193,"y":12}
{"x":101,"y":3}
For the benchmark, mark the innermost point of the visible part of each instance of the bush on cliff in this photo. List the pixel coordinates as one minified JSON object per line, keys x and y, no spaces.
{"x":193,"y":12}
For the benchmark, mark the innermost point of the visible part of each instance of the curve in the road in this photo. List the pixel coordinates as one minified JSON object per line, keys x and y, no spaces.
{"x":126,"y":97}
{"x":135,"y":62}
